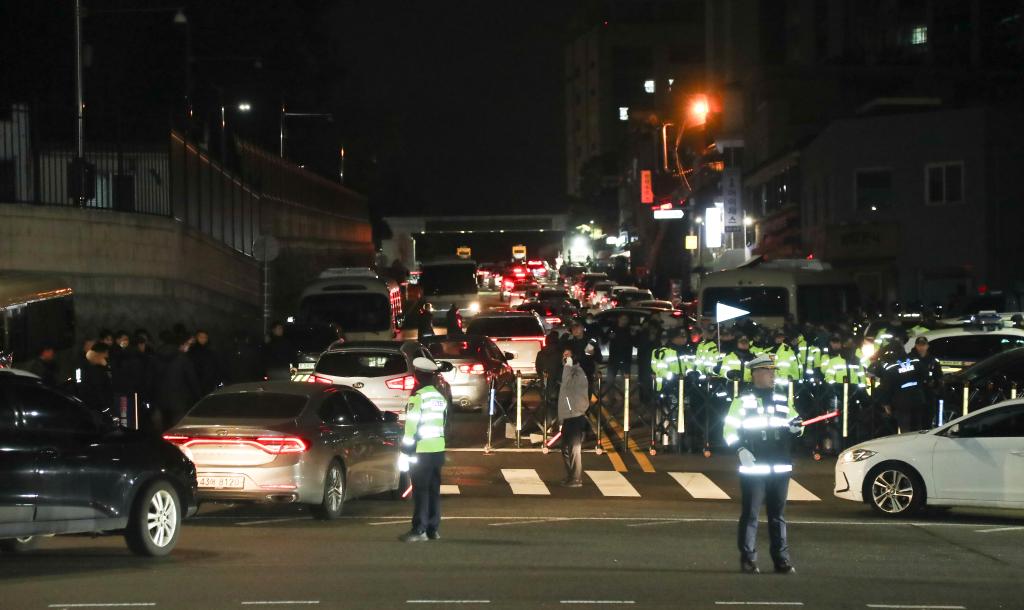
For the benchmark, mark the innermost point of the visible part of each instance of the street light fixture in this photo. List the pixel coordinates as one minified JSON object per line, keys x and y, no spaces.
{"x":244,"y":107}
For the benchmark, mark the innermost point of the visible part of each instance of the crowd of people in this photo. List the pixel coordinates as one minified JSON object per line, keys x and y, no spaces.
{"x":164,"y":375}
{"x":820,"y":368}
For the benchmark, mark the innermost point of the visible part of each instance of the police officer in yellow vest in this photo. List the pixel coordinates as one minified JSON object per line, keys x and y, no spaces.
{"x":759,"y":424}
{"x":423,"y":451}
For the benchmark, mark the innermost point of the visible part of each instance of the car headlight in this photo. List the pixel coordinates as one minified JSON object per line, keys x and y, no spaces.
{"x":856,"y":455}
{"x":474,"y":307}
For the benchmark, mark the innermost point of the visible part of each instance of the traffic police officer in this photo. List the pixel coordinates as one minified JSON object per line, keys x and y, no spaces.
{"x":759,"y":424}
{"x":902,"y":391}
{"x":423,"y":451}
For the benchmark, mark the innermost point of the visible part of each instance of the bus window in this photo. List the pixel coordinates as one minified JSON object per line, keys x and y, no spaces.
{"x":758,"y":300}
{"x":354,"y":312}
{"x":825,"y":303}
{"x":448,"y":279}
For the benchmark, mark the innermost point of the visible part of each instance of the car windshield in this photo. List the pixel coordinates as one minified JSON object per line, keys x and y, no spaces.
{"x":972,"y":347}
{"x":351,"y":311}
{"x":506,"y":327}
{"x":456,"y":348}
{"x":448,"y":279}
{"x":1010,"y":360}
{"x":250,"y":405}
{"x":361,"y":364}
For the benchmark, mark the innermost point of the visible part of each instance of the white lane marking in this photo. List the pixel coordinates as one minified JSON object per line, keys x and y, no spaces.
{"x":530,"y":521}
{"x":284,"y":602}
{"x":1001,"y":529}
{"x":525,"y":482}
{"x":447,"y":601}
{"x":450,"y":490}
{"x":613,"y":484}
{"x":663,"y":522}
{"x":268,"y":521}
{"x":105,"y":605}
{"x":921,"y":607}
{"x":698,"y":485}
{"x":759,"y":603}
{"x":396,"y":520}
{"x":597,"y":601}
{"x":800,"y":493}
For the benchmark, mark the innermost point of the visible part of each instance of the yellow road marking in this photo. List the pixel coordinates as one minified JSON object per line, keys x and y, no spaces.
{"x":639,"y":456}
{"x":609,"y":450}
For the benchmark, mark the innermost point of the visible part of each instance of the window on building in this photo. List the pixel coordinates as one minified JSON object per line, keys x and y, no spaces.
{"x":649,"y":85}
{"x":873,"y":188}
{"x":919,"y":35}
{"x":944,"y":183}
{"x":623,"y":113}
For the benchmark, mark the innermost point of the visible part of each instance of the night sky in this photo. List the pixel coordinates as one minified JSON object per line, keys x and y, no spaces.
{"x":443,"y":107}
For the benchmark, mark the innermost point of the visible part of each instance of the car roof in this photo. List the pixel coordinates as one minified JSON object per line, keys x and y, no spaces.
{"x":942,"y":333}
{"x":621,"y":310}
{"x":466,"y":337}
{"x":17,"y":374}
{"x":504,"y":314}
{"x":292,"y":388}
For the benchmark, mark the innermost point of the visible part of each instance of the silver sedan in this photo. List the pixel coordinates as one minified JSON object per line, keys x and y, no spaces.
{"x":287,"y":442}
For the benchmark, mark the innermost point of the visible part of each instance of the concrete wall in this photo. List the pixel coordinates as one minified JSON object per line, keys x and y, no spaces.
{"x":131,"y":270}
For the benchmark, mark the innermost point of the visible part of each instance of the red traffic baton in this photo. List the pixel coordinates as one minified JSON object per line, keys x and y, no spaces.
{"x":551,"y":441}
{"x":820,"y":418}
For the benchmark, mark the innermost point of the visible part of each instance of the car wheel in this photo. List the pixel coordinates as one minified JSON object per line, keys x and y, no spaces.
{"x":155,"y":521}
{"x":334,"y":494}
{"x":19,"y":545}
{"x":403,"y":484}
{"x":895,"y":491}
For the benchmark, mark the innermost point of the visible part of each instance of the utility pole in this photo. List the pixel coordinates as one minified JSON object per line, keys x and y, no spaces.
{"x":79,"y":108}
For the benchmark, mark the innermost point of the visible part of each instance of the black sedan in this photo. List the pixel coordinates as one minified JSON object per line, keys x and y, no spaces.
{"x":66,"y":470}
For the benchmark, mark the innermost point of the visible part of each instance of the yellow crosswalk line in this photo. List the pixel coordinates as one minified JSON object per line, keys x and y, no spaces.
{"x":639,"y":456}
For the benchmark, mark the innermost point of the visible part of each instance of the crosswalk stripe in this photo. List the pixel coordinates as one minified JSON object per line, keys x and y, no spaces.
{"x":800,"y":493}
{"x":699,"y":486}
{"x":525,"y":482}
{"x":450,"y":490}
{"x":613,"y":484}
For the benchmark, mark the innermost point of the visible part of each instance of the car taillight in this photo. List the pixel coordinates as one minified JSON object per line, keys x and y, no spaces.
{"x":405,"y":382}
{"x":553,"y":320}
{"x":282,"y":444}
{"x":274,"y":445}
{"x":615,"y":302}
{"x":472,"y":369}
{"x":314,"y":378}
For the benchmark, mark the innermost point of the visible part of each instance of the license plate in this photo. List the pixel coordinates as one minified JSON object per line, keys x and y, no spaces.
{"x":220,"y":482}
{"x":307,"y":366}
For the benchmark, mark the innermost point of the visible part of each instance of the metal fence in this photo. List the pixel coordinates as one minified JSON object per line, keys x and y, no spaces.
{"x":174,"y":179}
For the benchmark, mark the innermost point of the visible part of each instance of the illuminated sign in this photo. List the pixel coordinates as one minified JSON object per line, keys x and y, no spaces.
{"x":713,"y":226}
{"x":691,"y":242}
{"x":667,"y":214}
{"x":646,"y":188}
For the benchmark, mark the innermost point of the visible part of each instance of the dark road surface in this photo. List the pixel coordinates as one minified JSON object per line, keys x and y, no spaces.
{"x":504,"y":548}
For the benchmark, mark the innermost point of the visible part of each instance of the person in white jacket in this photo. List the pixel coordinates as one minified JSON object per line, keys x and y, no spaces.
{"x":573,"y":402}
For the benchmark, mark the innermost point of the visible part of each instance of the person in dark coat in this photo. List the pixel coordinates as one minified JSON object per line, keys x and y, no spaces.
{"x":206,"y":362}
{"x":453,"y":321}
{"x":279,"y":355}
{"x":244,"y":362}
{"x":621,"y":341}
{"x":96,"y":389}
{"x":647,"y":341}
{"x":179,"y":387}
{"x":424,"y":320}
{"x":45,"y":365}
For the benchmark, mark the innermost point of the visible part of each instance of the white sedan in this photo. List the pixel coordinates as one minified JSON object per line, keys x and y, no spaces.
{"x":976,"y":460}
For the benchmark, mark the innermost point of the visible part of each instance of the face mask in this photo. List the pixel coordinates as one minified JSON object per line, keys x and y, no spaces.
{"x":568,"y":362}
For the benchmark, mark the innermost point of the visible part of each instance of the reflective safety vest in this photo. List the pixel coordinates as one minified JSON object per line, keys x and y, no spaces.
{"x":808,"y":356}
{"x":706,"y":358}
{"x":424,"y":421}
{"x":786,"y":365}
{"x":763,"y":429}
{"x":837,"y":370}
{"x":733,"y":363}
{"x":667,"y":363}
{"x":917,"y":331}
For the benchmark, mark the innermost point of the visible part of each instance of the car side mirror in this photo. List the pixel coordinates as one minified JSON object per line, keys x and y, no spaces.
{"x":390,"y":417}
{"x":445,"y":367}
{"x":509,"y":356}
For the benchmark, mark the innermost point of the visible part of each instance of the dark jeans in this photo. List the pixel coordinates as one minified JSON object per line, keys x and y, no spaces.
{"x":573,"y":430}
{"x":770,"y":490}
{"x":426,"y":491}
{"x":908,"y":407}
